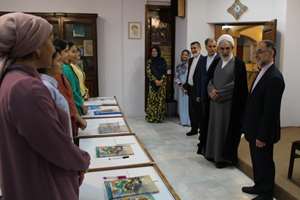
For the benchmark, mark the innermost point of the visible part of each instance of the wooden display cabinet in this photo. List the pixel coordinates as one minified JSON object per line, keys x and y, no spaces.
{"x":82,"y":30}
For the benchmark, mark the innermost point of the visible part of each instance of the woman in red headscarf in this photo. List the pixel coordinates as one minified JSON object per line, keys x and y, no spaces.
{"x":38,"y":157}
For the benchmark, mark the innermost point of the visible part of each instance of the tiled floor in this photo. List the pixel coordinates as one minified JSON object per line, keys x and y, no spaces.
{"x":192,"y":177}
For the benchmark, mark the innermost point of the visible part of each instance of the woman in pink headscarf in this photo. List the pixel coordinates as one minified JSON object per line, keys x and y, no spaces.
{"x":37,"y":157}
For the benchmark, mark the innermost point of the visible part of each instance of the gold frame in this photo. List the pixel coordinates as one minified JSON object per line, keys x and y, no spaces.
{"x":135,"y":36}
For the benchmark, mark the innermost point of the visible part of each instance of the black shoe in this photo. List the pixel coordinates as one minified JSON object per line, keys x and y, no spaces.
{"x":250,"y":190}
{"x":199,"y":151}
{"x":210,"y":159}
{"x":191,"y":133}
{"x":221,"y":165}
{"x":263,"y":197}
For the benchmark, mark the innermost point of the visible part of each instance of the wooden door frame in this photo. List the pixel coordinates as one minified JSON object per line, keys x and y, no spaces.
{"x":147,"y":37}
{"x":218,"y":25}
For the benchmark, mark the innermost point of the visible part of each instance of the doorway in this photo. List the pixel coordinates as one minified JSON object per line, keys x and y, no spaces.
{"x":246,"y":36}
{"x":160,"y":31}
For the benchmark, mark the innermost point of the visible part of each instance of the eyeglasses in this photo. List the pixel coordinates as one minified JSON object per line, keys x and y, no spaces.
{"x":260,"y":51}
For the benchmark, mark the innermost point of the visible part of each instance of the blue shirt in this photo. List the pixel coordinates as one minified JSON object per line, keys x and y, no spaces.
{"x":58,"y":98}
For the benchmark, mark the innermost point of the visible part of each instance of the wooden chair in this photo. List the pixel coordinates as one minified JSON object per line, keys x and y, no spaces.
{"x":294,"y":155}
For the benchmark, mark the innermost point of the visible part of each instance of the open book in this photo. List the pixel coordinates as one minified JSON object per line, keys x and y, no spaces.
{"x":130,"y":187}
{"x":105,"y":110}
{"x":112,"y":127}
{"x":113,"y":151}
{"x":138,"y":197}
{"x":103,"y":101}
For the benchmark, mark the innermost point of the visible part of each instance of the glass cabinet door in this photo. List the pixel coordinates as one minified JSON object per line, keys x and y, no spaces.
{"x":82,"y":32}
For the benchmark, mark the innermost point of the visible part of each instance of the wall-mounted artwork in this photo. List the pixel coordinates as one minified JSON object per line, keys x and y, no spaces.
{"x":134,"y":30}
{"x":237,"y":9}
{"x":88,"y":48}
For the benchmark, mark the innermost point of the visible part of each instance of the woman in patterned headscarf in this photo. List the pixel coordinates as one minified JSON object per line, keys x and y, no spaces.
{"x":38,"y":157}
{"x":156,"y":100}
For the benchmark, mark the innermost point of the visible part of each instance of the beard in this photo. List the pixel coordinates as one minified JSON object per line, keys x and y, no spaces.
{"x":225,"y":58}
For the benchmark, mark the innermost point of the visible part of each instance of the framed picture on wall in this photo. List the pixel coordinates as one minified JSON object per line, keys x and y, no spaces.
{"x":134,"y":30}
{"x":88,"y":48}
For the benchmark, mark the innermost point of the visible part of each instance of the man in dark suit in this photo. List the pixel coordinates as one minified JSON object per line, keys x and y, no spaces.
{"x":262,"y":121}
{"x":190,"y":87}
{"x":207,"y":67}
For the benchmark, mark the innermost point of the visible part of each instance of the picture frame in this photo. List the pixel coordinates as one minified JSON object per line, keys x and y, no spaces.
{"x":134,"y":30}
{"x":88,"y":48}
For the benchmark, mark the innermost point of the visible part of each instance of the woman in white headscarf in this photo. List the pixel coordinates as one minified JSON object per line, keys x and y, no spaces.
{"x":38,"y":158}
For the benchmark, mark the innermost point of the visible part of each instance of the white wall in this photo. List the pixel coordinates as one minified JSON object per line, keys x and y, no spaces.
{"x":291,"y":67}
{"x":180,"y":37}
{"x":197,"y":27}
{"x":121,"y":61}
{"x":134,"y":60}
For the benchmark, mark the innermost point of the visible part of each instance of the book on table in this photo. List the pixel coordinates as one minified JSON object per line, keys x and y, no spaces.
{"x":93,"y":107}
{"x":130,"y":187}
{"x":103,"y":101}
{"x":138,"y":197}
{"x":107,"y":110}
{"x":112,"y":127}
{"x":113,"y":151}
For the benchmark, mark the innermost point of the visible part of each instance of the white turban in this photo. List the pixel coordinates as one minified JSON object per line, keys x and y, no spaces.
{"x":225,"y":37}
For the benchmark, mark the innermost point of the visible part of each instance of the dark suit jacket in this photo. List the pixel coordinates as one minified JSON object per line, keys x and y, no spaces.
{"x":204,"y":76}
{"x":192,"y":89}
{"x":262,"y":115}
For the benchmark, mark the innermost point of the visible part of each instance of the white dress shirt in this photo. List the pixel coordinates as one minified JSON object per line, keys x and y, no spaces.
{"x":209,"y":60}
{"x":192,"y":70}
{"x":224,"y":63}
{"x":260,"y":75}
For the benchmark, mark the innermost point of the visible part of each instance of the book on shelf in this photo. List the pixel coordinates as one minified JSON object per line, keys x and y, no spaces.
{"x":112,"y":127}
{"x":113,"y":151}
{"x":130,"y":187}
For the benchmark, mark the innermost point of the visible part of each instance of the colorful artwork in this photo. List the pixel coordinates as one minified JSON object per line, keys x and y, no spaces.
{"x":112,"y":127}
{"x":103,"y":101}
{"x":104,"y":110}
{"x":139,"y":197}
{"x":93,"y":107}
{"x":112,"y":151}
{"x":130,"y":187}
